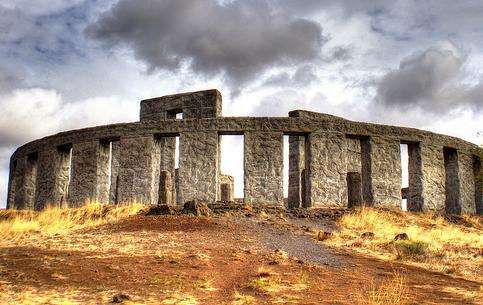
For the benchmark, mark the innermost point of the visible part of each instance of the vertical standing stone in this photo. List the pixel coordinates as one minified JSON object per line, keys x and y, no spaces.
{"x":53,"y":176}
{"x":12,"y":187}
{"x":433,"y":177}
{"x":167,"y":145}
{"x":19,"y":196}
{"x":354,"y":189}
{"x":113,"y":189}
{"x":89,"y":175}
{"x":467,"y":182}
{"x":452,"y":181}
{"x":165,"y":188}
{"x":478,"y":174}
{"x":226,"y":192}
{"x":366,"y":172}
{"x":327,"y":167}
{"x":415,"y":172}
{"x":26,"y":182}
{"x":386,"y":171}
{"x":296,"y":167}
{"x":139,"y":163}
{"x":264,"y":168}
{"x":198,"y":168}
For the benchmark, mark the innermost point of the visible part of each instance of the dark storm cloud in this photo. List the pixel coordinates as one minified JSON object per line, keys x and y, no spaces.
{"x":240,"y":39}
{"x":303,"y":76}
{"x":429,"y":81}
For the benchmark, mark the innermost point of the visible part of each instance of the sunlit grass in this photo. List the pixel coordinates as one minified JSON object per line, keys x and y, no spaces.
{"x":60,"y":221}
{"x":433,"y":241}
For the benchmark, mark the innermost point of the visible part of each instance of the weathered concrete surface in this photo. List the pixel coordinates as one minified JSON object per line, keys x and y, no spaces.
{"x":467,"y":184}
{"x":327,"y":155}
{"x":478,"y":174}
{"x":338,"y":146}
{"x":433,"y":177}
{"x":165,"y":188}
{"x":25,"y":183}
{"x":167,"y":151}
{"x":137,"y":174}
{"x":263,"y":164}
{"x":415,"y":172}
{"x":452,"y":181}
{"x":354,"y":189}
{"x":115,"y":156}
{"x":296,"y":196}
{"x":198,"y":166}
{"x":193,"y":105}
{"x":386,"y":171}
{"x":227,"y":188}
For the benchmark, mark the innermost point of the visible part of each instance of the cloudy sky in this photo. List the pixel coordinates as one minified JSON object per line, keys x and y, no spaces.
{"x":68,"y":64}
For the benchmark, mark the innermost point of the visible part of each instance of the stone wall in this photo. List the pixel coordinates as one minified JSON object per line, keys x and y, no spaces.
{"x":122,"y":163}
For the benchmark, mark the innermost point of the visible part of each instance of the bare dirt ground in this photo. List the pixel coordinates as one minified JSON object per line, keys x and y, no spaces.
{"x":216,"y":260}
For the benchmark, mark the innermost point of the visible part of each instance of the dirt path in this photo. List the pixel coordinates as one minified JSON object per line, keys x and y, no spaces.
{"x":188,"y":260}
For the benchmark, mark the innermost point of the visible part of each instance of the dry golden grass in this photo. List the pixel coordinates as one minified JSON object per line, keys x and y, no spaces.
{"x":434,"y":242}
{"x":59,"y":221}
{"x":390,"y":291}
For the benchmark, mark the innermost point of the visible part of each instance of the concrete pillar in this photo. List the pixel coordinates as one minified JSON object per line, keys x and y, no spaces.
{"x":113,"y":189}
{"x":198,"y":166}
{"x":165,"y":188}
{"x":386,"y":171}
{"x":415,"y":189}
{"x":12,"y":187}
{"x":26,"y":182}
{"x":138,"y":171}
{"x":327,"y":168}
{"x":89,"y":173}
{"x":297,"y":162}
{"x":354,"y":189}
{"x":433,"y":179}
{"x":53,"y":176}
{"x":264,"y":168}
{"x":478,"y":174}
{"x":226,"y":192}
{"x":467,"y":182}
{"x":18,"y":182}
{"x":452,"y":181}
{"x":167,"y":145}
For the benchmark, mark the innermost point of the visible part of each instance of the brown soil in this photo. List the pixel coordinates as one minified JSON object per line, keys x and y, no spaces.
{"x":176,"y":259}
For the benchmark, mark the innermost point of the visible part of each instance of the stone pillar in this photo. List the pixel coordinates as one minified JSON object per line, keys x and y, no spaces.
{"x":296,"y":167}
{"x":354,"y":189}
{"x":167,"y":145}
{"x":264,"y":168}
{"x":89,"y":174}
{"x":12,"y":187}
{"x":327,"y":168}
{"x":478,"y":174}
{"x":113,"y":189}
{"x":415,"y":171}
{"x":433,"y":177}
{"x":386,"y":171}
{"x":53,"y":176}
{"x":226,"y":192}
{"x":165,"y":188}
{"x":452,"y":181}
{"x":467,"y":182}
{"x":26,"y":182}
{"x":139,"y":170}
{"x":19,"y":181}
{"x":198,"y":166}
{"x":227,"y":188}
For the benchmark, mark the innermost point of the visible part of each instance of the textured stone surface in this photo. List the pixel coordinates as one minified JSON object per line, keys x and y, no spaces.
{"x":467,"y":184}
{"x":165,"y":188}
{"x":227,"y":188}
{"x":338,"y":146}
{"x":263,"y":168}
{"x":327,"y":168}
{"x":198,"y":166}
{"x":137,"y":172}
{"x":193,"y":105}
{"x":433,"y":177}
{"x":452,"y":181}
{"x":354,"y":189}
{"x":386,"y":171}
{"x":167,"y":150}
{"x":113,"y":189}
{"x":296,"y":196}
{"x":478,"y":174}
